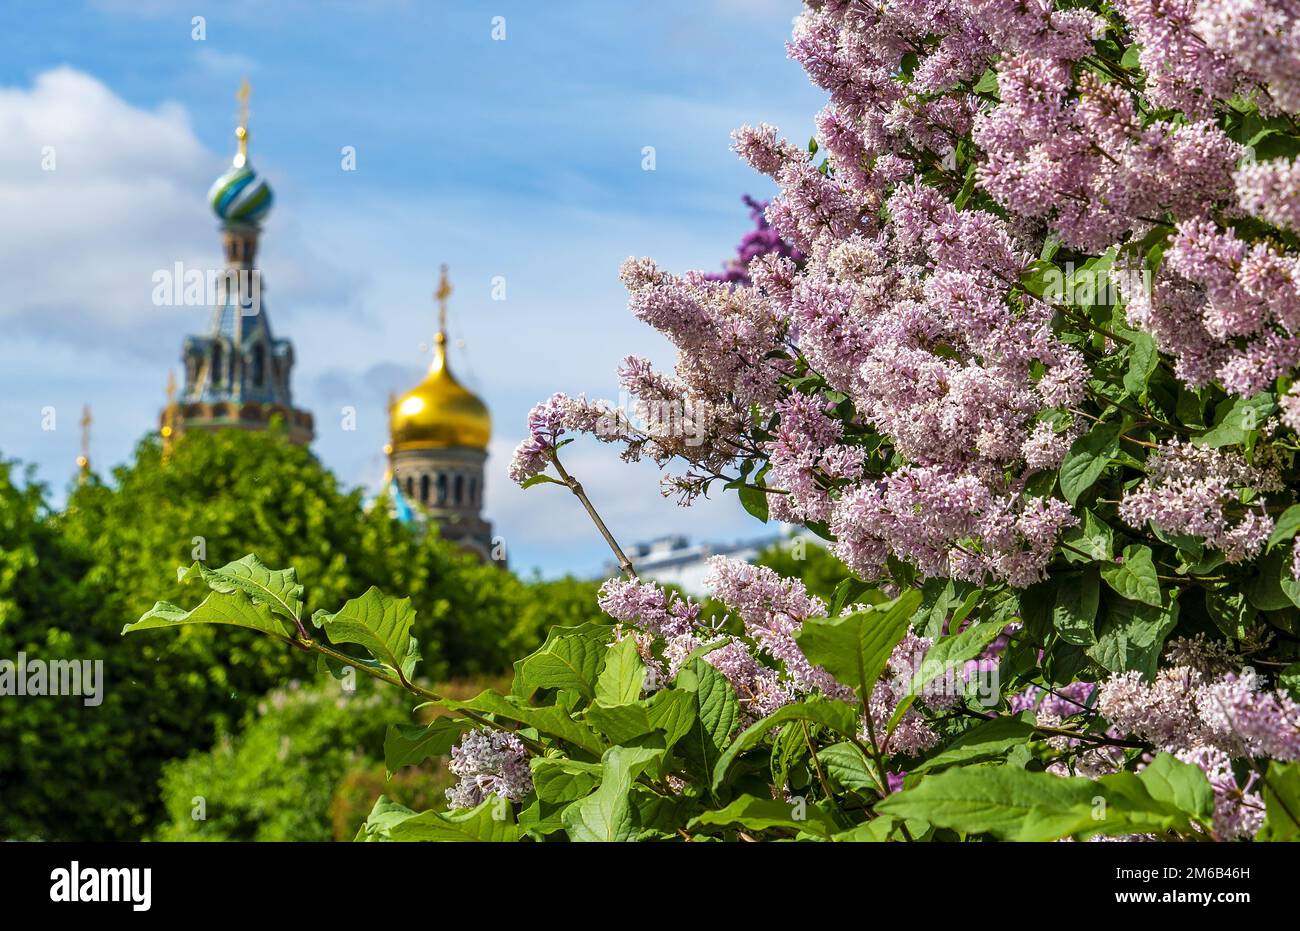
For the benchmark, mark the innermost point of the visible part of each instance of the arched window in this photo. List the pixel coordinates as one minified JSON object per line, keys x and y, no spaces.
{"x":442,"y":489}
{"x":259,"y":364}
{"x":460,"y":490}
{"x":424,"y":488}
{"x":410,"y":487}
{"x":218,"y":375}
{"x":473,"y":491}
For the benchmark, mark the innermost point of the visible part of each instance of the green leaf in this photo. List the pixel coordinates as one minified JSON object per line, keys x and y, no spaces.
{"x":380,"y":623}
{"x":846,"y":767}
{"x":1092,"y":537}
{"x":1074,"y":609}
{"x":234,"y":608}
{"x":847,"y":592}
{"x":1087,"y":459}
{"x":717,"y":713}
{"x":1289,"y":679}
{"x":607,"y":814}
{"x":754,"y":500}
{"x":383,"y":815}
{"x":967,"y":188}
{"x":1242,"y":419}
{"x":1230,"y":611}
{"x":1131,"y":57}
{"x":566,"y":662}
{"x":1020,"y":805}
{"x":670,"y":711}
{"x":539,"y":480}
{"x":1039,"y":276}
{"x":855,"y":648}
{"x":1142,"y":362}
{"x":1181,"y":785}
{"x":492,"y":820}
{"x":948,"y":655}
{"x":989,"y":740}
{"x":763,"y":814}
{"x":558,"y":780}
{"x":1288,"y":525}
{"x":1135,"y":577}
{"x":553,"y":720}
{"x":623,"y":677}
{"x":876,"y":831}
{"x":278,"y":588}
{"x":1281,"y":802}
{"x":987,"y":84}
{"x":1132,"y":636}
{"x":409,"y":744}
{"x":1264,"y":589}
{"x":1010,"y":803}
{"x":837,"y":715}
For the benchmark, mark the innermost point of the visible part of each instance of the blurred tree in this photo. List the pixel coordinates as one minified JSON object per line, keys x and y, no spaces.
{"x":69,"y":582}
{"x":277,"y":777}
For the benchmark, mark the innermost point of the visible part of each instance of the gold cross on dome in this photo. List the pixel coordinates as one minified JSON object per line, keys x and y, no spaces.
{"x":441,"y":295}
{"x":241,"y":131}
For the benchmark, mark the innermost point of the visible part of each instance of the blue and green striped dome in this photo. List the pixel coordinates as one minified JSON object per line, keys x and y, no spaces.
{"x":240,"y":196}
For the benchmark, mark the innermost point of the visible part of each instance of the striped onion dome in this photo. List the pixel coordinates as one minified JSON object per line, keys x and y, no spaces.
{"x":240,"y":195}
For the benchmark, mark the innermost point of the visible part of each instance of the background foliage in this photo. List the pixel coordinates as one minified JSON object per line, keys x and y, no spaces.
{"x":69,"y":580}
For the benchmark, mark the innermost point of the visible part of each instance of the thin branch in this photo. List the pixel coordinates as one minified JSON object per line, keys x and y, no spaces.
{"x":575,"y":486}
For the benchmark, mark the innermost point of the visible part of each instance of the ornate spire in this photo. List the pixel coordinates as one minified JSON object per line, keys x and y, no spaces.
{"x":83,"y":461}
{"x":241,"y":131}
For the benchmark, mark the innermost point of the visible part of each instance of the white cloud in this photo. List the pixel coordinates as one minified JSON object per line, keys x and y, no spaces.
{"x":80,"y":242}
{"x":97,"y":196}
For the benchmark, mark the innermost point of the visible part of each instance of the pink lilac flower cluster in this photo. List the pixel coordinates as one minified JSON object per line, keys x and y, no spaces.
{"x":772,"y":609}
{"x":1209,"y":719}
{"x":488,"y":762}
{"x":1195,"y":52}
{"x":1197,"y":490}
{"x":1262,"y":40}
{"x":1224,"y":309}
{"x":1088,"y":166}
{"x":646,"y":612}
{"x":1270,"y":190}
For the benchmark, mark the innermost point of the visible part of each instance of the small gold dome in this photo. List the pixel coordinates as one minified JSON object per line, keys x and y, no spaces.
{"x":439,"y":411}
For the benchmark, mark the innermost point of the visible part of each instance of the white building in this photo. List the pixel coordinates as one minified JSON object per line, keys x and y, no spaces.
{"x":675,"y":560}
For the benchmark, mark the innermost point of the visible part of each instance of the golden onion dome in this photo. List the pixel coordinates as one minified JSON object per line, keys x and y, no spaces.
{"x":439,"y":412}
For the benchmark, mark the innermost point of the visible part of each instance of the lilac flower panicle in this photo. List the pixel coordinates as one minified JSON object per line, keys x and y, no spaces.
{"x":488,"y":762}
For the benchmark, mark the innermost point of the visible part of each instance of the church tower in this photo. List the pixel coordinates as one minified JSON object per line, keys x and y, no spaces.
{"x":237,"y":374}
{"x":439,"y":433}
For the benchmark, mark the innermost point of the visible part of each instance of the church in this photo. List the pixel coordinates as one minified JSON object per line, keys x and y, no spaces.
{"x":237,"y":376}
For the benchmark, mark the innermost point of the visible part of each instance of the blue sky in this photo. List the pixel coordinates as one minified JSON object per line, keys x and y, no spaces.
{"x":519,"y":158}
